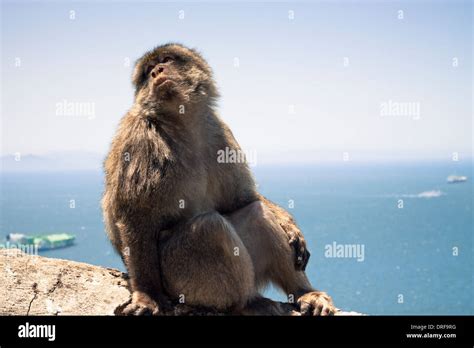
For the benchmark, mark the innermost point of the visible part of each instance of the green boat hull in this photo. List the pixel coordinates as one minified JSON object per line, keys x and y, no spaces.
{"x":44,"y":242}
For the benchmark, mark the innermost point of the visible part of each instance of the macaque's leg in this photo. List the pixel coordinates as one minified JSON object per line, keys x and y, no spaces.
{"x":205,"y":263}
{"x":295,"y":237}
{"x":273,"y":258}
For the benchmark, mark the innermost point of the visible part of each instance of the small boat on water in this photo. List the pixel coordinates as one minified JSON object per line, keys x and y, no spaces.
{"x":452,"y":179}
{"x":43,"y":242}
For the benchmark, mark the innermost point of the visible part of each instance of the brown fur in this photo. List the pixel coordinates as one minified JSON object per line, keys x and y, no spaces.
{"x":186,"y":225}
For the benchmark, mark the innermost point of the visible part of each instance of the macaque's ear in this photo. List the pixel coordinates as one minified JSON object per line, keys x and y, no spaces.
{"x":138,"y":77}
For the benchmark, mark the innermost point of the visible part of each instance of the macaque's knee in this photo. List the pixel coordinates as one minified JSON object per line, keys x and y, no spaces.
{"x":207,"y":264}
{"x":255,"y":211}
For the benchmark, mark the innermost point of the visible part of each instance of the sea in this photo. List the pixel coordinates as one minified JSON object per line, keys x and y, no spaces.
{"x":390,"y":238}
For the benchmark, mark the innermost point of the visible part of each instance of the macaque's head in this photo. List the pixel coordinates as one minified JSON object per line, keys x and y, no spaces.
{"x":172,"y":75}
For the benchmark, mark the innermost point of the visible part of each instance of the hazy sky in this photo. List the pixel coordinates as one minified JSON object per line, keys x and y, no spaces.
{"x":327,"y":81}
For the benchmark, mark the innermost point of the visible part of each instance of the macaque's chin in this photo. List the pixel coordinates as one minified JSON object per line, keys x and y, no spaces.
{"x":165,"y":90}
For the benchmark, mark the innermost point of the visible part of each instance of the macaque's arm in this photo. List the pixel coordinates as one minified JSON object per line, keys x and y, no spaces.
{"x":141,"y":258}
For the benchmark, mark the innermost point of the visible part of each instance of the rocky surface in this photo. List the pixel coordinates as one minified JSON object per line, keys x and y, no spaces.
{"x":35,"y":285}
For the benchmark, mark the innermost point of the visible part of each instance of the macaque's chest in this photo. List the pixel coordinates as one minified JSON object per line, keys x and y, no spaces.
{"x":168,"y":176}
{"x":187,"y":191}
{"x":178,"y":181}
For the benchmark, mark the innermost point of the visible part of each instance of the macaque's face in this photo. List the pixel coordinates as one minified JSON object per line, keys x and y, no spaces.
{"x":171,"y":75}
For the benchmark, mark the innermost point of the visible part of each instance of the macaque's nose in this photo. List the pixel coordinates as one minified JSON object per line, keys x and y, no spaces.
{"x":157,"y":70}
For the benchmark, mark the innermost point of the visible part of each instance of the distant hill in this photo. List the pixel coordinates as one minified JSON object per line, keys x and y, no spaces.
{"x":54,"y":161}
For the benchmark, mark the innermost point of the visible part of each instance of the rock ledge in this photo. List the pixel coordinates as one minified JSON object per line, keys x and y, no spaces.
{"x":36,"y":285}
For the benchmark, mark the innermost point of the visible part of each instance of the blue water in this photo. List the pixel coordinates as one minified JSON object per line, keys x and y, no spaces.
{"x":408,"y":251}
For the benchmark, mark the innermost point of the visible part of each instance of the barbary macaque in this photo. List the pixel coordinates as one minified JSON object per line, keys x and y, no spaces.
{"x":186,"y":225}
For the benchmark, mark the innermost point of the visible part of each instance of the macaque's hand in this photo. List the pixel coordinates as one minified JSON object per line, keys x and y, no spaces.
{"x":295,"y":236}
{"x":298,"y":243}
{"x":316,"y":303}
{"x":141,"y":304}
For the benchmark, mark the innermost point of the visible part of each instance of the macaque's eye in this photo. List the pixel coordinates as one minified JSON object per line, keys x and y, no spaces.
{"x":148,"y":69}
{"x":167,"y":59}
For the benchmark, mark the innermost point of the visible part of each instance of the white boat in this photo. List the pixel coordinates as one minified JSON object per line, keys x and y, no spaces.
{"x":43,"y":242}
{"x":452,"y":179}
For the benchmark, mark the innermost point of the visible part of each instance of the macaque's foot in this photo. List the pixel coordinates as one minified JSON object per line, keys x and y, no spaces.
{"x":316,"y":303}
{"x":141,"y":304}
{"x":302,"y":254}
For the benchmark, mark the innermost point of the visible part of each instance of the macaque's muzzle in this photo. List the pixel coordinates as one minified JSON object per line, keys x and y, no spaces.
{"x":160,"y":76}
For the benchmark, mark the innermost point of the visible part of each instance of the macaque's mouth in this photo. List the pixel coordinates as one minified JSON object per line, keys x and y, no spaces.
{"x":162,"y":88}
{"x":161,"y":80}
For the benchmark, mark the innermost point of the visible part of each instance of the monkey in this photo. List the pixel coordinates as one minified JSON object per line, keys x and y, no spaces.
{"x":185,"y":225}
